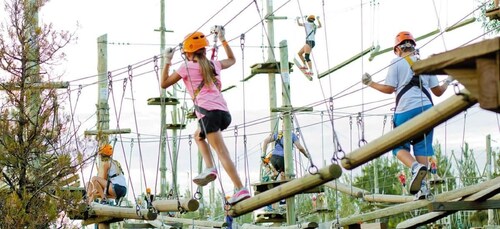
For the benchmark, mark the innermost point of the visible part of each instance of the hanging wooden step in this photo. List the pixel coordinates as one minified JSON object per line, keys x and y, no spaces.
{"x":264,"y":186}
{"x":176,"y":126}
{"x":268,"y":67}
{"x":163,"y":101}
{"x":270,"y":217}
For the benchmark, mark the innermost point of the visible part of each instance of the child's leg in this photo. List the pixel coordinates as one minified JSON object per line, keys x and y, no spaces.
{"x":204,"y":149}
{"x":217,"y":142}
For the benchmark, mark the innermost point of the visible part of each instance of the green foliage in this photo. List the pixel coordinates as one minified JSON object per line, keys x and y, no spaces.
{"x":35,"y":156}
{"x":489,"y":25}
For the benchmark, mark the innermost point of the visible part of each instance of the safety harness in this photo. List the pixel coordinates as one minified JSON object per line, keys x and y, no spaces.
{"x":414,"y":82}
{"x":214,"y":79}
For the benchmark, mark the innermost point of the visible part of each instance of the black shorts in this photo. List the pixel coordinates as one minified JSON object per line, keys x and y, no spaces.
{"x":120,"y":191}
{"x":278,"y":163}
{"x":311,"y":43}
{"x":214,"y":121}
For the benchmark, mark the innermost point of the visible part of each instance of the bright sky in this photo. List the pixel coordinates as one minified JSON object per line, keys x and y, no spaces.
{"x":346,"y":31}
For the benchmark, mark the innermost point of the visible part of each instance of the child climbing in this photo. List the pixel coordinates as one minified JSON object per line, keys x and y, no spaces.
{"x":305,"y":51}
{"x":402,"y":181}
{"x":202,"y":78}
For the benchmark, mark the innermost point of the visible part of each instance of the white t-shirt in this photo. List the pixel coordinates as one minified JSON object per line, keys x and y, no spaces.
{"x":120,"y":179}
{"x":310,"y":30}
{"x":399,"y":75}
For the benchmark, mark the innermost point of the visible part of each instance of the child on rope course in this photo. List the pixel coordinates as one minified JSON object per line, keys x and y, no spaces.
{"x":412,"y":98}
{"x":110,"y":183}
{"x":203,"y":82}
{"x":305,"y":52}
{"x":277,"y":158}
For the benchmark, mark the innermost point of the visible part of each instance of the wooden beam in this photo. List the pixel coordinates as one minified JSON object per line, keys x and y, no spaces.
{"x":286,"y":190}
{"x":424,"y":219}
{"x":346,"y":189}
{"x":120,"y":212}
{"x":386,"y":198}
{"x":410,"y":206}
{"x":301,"y":225}
{"x":100,"y":219}
{"x":173,"y":205}
{"x":192,"y":222}
{"x":41,"y":85}
{"x":411,"y":129}
{"x":464,"y":205}
{"x":291,"y":109}
{"x":107,"y":132}
{"x":346,"y":62}
{"x":476,"y":66}
{"x":163,"y":101}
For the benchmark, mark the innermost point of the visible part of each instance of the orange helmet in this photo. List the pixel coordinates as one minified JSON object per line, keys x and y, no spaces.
{"x":401,"y":37}
{"x":106,"y":150}
{"x":194,"y":41}
{"x":311,"y":18}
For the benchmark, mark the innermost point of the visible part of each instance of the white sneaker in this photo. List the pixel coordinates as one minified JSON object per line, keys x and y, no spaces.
{"x":208,"y":175}
{"x":418,"y":174}
{"x":239,"y":196}
{"x":422,"y":194}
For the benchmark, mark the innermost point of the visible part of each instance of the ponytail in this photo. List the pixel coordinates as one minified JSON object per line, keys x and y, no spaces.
{"x":206,"y":67}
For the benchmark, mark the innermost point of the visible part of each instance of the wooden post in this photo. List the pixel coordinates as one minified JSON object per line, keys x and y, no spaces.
{"x":286,"y":190}
{"x":173,"y":205}
{"x":411,"y":129}
{"x":287,"y":128}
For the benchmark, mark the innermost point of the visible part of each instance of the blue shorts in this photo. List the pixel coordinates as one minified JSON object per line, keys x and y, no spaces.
{"x":214,"y":121}
{"x":423,"y":144}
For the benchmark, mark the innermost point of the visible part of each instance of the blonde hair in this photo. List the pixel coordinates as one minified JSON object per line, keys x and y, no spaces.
{"x":206,"y":67}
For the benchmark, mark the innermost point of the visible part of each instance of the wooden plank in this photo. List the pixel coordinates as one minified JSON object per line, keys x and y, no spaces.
{"x":107,"y":132}
{"x":424,"y":219}
{"x":192,"y":222}
{"x":411,"y":129}
{"x":386,"y":198}
{"x":464,"y":205}
{"x":305,"y":225}
{"x":459,"y":58}
{"x":163,"y":101}
{"x":286,"y":190}
{"x":100,"y":219}
{"x":264,"y":186}
{"x":346,"y":189}
{"x":493,"y":13}
{"x":410,"y":206}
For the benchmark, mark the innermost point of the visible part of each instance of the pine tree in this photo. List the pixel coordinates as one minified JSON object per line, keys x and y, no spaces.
{"x":36,"y":152}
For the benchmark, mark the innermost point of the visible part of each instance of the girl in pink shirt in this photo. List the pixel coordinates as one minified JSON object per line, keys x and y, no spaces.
{"x":202,"y":80}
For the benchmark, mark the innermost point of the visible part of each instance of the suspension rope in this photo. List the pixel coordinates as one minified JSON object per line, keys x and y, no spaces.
{"x":245,"y":150}
{"x":117,"y":115}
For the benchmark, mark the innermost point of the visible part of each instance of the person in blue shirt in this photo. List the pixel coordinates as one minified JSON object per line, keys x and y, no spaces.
{"x":277,"y":158}
{"x":412,"y":98}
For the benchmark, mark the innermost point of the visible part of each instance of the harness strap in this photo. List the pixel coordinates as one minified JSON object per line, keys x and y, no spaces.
{"x":214,"y":79}
{"x":312,"y":31}
{"x":414,"y":82}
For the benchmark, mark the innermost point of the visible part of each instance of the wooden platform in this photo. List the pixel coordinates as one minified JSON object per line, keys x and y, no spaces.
{"x":476,"y":66}
{"x":270,"y":217}
{"x":268,"y":67}
{"x":164,"y":101}
{"x":264,"y":186}
{"x":177,"y":126}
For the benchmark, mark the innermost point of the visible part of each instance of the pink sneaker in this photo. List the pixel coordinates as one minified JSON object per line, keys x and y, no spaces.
{"x":239,"y":196}
{"x":208,"y":175}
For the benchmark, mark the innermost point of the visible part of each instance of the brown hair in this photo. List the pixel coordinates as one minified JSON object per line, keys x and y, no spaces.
{"x":206,"y":67}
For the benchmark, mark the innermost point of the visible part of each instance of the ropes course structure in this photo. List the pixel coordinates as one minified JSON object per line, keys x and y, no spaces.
{"x":338,"y":112}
